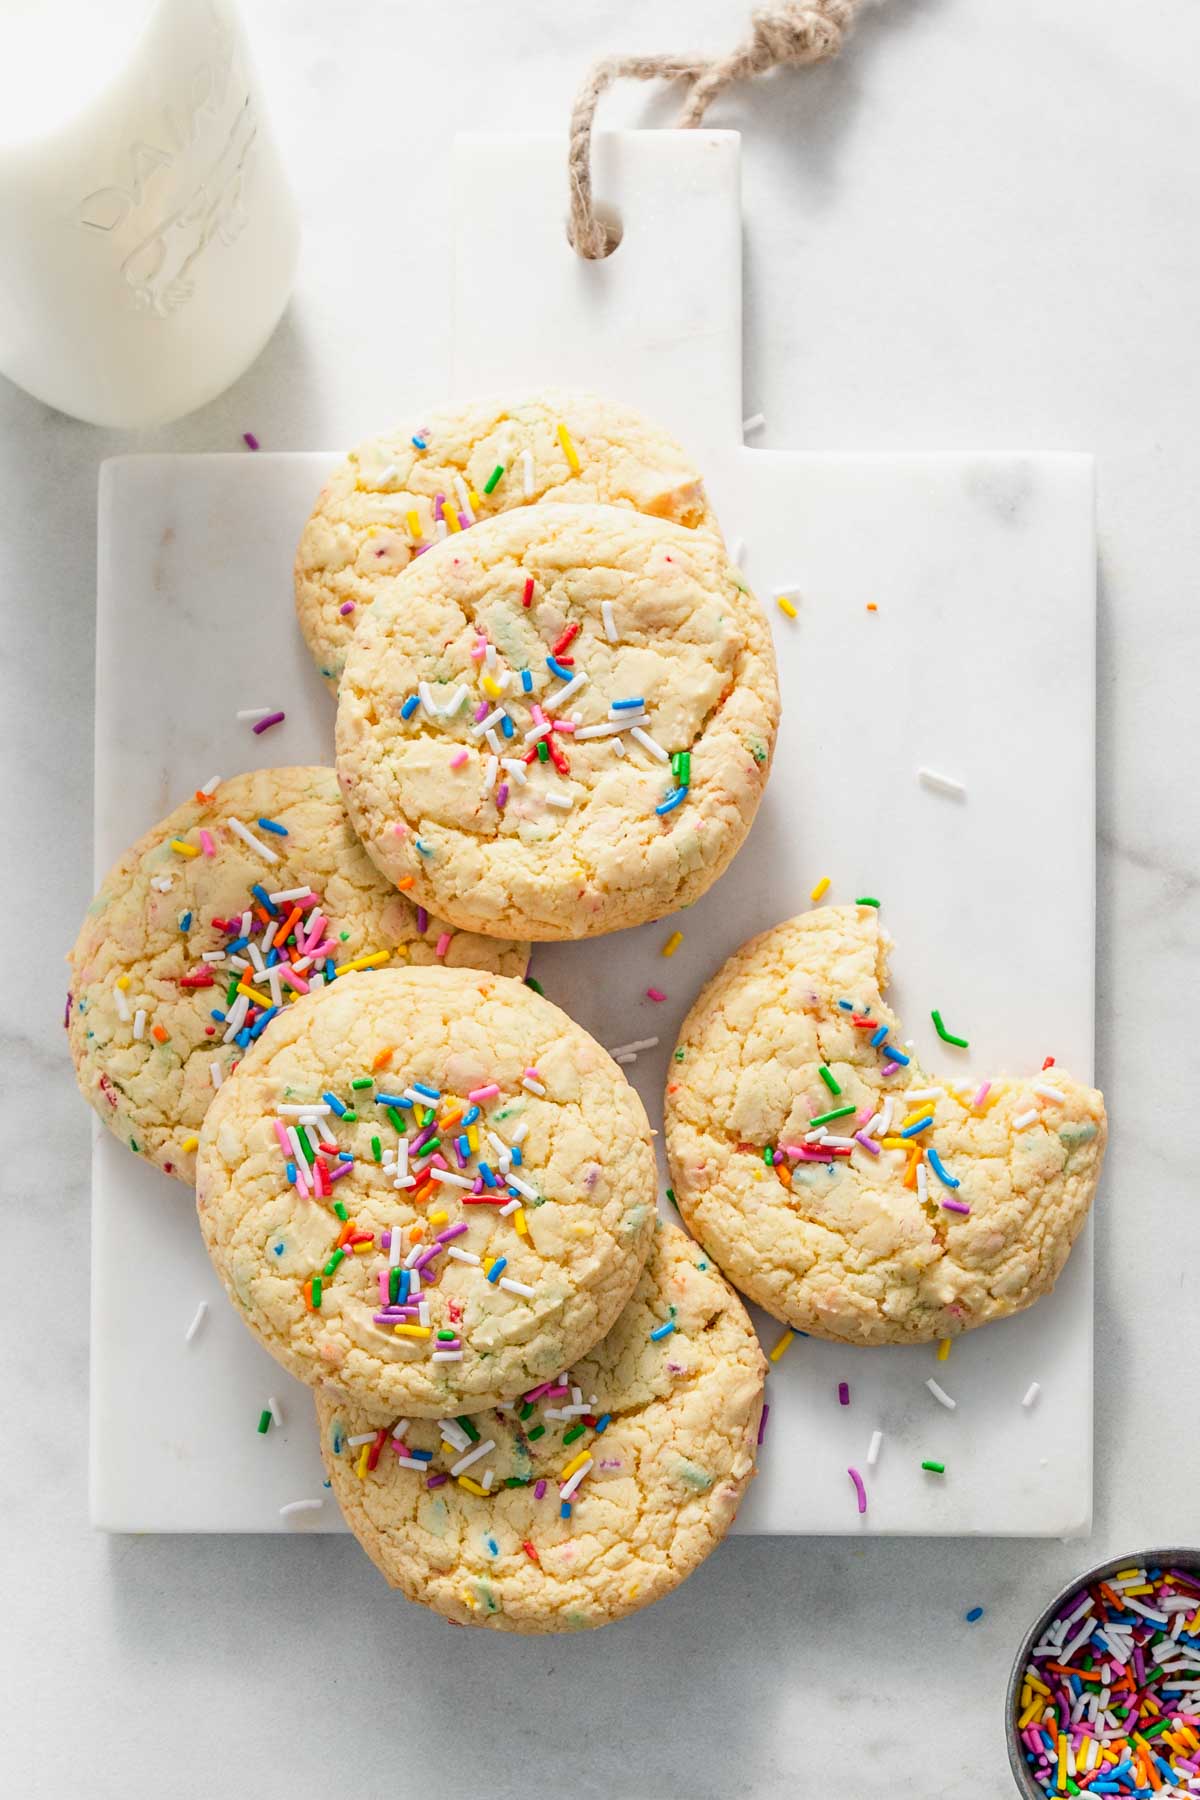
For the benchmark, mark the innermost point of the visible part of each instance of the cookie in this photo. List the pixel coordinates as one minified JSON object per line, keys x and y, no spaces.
{"x":561,"y":723}
{"x":428,"y":1188}
{"x":841,"y":1187}
{"x":154,"y":1019}
{"x":405,"y":490}
{"x":587,"y":1499}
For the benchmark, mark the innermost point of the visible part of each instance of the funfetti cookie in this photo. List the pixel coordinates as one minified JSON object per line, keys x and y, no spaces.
{"x":593,"y":1495}
{"x":401,"y":492}
{"x":560,"y":723}
{"x":838,"y":1184}
{"x":428,"y":1188}
{"x":251,"y":893}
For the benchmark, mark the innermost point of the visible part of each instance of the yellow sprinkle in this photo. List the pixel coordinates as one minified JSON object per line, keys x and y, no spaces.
{"x":922,"y":1112}
{"x":184,"y":849}
{"x":122,"y":981}
{"x":822,"y":887}
{"x":785,"y":606}
{"x":412,"y":519}
{"x":672,"y":944}
{"x":943,"y":1349}
{"x":448,"y":1449}
{"x":451,"y":518}
{"x":473,"y":1138}
{"x":476,"y":503}
{"x":363,"y":1249}
{"x":472,"y":1487}
{"x":437,"y":1218}
{"x":491,"y":688}
{"x":1147,"y":1587}
{"x":190,"y":1143}
{"x":569,"y":450}
{"x":783,"y":1344}
{"x":576,"y":1462}
{"x":259,"y":998}
{"x":1128,"y":1574}
{"x":895,"y":1143}
{"x":415,"y":1331}
{"x":1062,"y":1762}
{"x":360,"y":1467}
{"x":1039,"y":1687}
{"x":518,"y":1220}
{"x":363,"y":962}
{"x":1031,"y":1713}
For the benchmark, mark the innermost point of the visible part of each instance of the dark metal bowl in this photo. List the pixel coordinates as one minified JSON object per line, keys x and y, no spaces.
{"x":1187,"y":1560}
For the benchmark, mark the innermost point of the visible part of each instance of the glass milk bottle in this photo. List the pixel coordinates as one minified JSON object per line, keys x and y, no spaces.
{"x":148,"y":239}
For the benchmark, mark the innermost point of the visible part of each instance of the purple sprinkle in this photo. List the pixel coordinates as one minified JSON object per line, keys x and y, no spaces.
{"x":447,"y":1344}
{"x":67,"y":1011}
{"x":539,"y":1490}
{"x":955,"y":1206}
{"x":868,"y":1143}
{"x":502,"y":794}
{"x":451,"y":1231}
{"x":422,"y":920}
{"x":481,"y":711}
{"x":439,"y":501}
{"x":436,"y":1480}
{"x":348,"y":606}
{"x":556,"y":1392}
{"x":536,"y":1393}
{"x":342,"y":1169}
{"x":275,"y":718}
{"x":385,"y":1242}
{"x":416,"y":1147}
{"x":426,"y":1257}
{"x":843,"y":1393}
{"x":465,"y":520}
{"x":889,"y":1068}
{"x":250,"y":441}
{"x":762,"y":1423}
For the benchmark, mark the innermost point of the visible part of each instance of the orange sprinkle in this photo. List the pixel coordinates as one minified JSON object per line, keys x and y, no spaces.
{"x":157,"y":1032}
{"x":405,"y":882}
{"x":416,"y":1232}
{"x":784,"y":1174}
{"x":201,"y":798}
{"x":347,"y":1232}
{"x":910,"y":1174}
{"x":307,"y":1291}
{"x":382,"y":1059}
{"x":871,"y":606}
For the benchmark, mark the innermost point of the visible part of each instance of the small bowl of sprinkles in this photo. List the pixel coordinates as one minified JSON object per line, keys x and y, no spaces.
{"x":1104,"y":1697}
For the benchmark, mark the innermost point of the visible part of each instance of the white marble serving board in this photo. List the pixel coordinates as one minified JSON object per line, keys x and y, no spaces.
{"x":979,"y":662}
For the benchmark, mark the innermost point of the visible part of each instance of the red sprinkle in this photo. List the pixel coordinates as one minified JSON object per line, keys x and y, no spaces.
{"x":568,"y":637}
{"x":529,"y":1550}
{"x":201,"y":978}
{"x":1049,"y":1063}
{"x":527,"y":596}
{"x":655,"y":994}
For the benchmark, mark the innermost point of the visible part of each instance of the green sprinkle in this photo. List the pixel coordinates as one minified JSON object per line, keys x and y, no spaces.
{"x":339,"y":1207}
{"x":829,"y":1078}
{"x":495,"y":476}
{"x":264,"y":1420}
{"x":310,"y":1155}
{"x":537,"y":1432}
{"x":349,"y":1117}
{"x":393,"y":1285}
{"x":1163,"y":1725}
{"x":839,"y":1112}
{"x":430,"y":1145}
{"x":446,"y":1336}
{"x":535,"y":985}
{"x":570,"y":1436}
{"x":517,"y":1480}
{"x":947,"y":1037}
{"x":769,"y":1156}
{"x":866,"y":900}
{"x":467,"y":1426}
{"x":316,"y":1293}
{"x":331,"y":1266}
{"x":679,"y":1056}
{"x":1073,"y":1787}
{"x":363,"y":1081}
{"x":683,"y":774}
{"x":344,"y":936}
{"x":376,"y":1149}
{"x":231,"y":991}
{"x":525,"y":1410}
{"x":934,"y":1468}
{"x":395,"y":1120}
{"x":133,"y":1145}
{"x":543,"y":751}
{"x":672,"y":1199}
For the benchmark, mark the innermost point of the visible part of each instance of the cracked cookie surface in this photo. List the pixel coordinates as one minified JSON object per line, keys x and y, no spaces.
{"x":917,"y":1233}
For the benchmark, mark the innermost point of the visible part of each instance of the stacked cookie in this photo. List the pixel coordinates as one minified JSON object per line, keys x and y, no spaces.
{"x":430,"y":1194}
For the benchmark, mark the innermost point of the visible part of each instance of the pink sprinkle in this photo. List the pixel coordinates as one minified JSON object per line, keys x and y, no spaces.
{"x":655,"y":994}
{"x":889,"y":1068}
{"x":284,"y":1141}
{"x":456,"y":762}
{"x":399,"y":830}
{"x":982,"y":1095}
{"x":478,"y":1095}
{"x":539,"y":717}
{"x":533,"y":1075}
{"x":206,"y":843}
{"x":250,"y":441}
{"x":465,"y":520}
{"x":811,"y":1153}
{"x":443,"y":944}
{"x":868,"y":1143}
{"x":275,"y":718}
{"x":479,"y":651}
{"x":481,"y":711}
{"x":288,"y":974}
{"x":536,"y":1393}
{"x":955,"y":1206}
{"x":439,"y":502}
{"x":843,"y":1393}
{"x":861,"y":1491}
{"x":383,"y":1275}
{"x":348,"y":606}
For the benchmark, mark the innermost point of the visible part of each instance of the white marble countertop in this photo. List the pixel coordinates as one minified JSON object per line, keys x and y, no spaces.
{"x":977,"y":230}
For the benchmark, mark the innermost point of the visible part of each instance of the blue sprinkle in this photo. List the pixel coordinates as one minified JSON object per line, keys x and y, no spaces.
{"x":185,"y":921}
{"x":472,"y":1113}
{"x":976,"y":1612}
{"x":278,"y":1248}
{"x":405,"y":1284}
{"x":921,"y":1125}
{"x":675,"y":798}
{"x":330,"y":969}
{"x":637,"y":705}
{"x":424,"y":848}
{"x":897,"y":1057}
{"x":950,"y":1181}
{"x":488,"y":1177}
{"x":878,"y":1037}
{"x":291,"y":1175}
{"x":602,"y":1423}
{"x":401,"y":1100}
{"x":272,"y":957}
{"x":420,"y":443}
{"x":237,"y":944}
{"x":263,"y":1020}
{"x":507,"y":726}
{"x":846,"y":1005}
{"x":556,"y":668}
{"x":662,"y":1331}
{"x":492,"y":1545}
{"x":526,"y":682}
{"x":410,"y":706}
{"x":275,"y":826}
{"x":242,"y":1039}
{"x":218,"y":1016}
{"x":345,"y":1156}
{"x":464,"y":1148}
{"x":430,"y":1093}
{"x":516,"y":1155}
{"x":338,"y":1106}
{"x":497,"y":1269}
{"x":261,"y":895}
{"x":421,"y":1455}
{"x":564,"y":1511}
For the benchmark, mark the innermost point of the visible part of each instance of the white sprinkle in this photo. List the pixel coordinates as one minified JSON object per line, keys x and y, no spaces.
{"x":491,"y":769}
{"x":394,"y":1248}
{"x":298,"y":1156}
{"x":446,"y":1356}
{"x":250,"y":715}
{"x":922,"y":1183}
{"x":139,"y":1022}
{"x":632,"y":1049}
{"x":737,"y":551}
{"x":1049,"y":1093}
{"x":207,"y":787}
{"x":516,"y":769}
{"x":425,"y":693}
{"x":255,"y":844}
{"x":493,"y":742}
{"x":618,"y":747}
{"x":381,"y":477}
{"x":931,"y":1093}
{"x":556,"y":701}
{"x":943,"y":784}
{"x":535,"y":1087}
{"x":940,"y":1395}
{"x":412,"y":1462}
{"x":539,"y":731}
{"x":516,"y":1287}
{"x":564,"y":802}
{"x":876,"y":1446}
{"x":122,"y":1004}
{"x":399,"y":1429}
{"x":464,"y":499}
{"x":610,"y":624}
{"x":473,"y":1455}
{"x":526,"y":459}
{"x":519,"y":1131}
{"x":467,"y":1256}
{"x":197,"y":1322}
{"x":215,"y":1075}
{"x":300,"y":1506}
{"x":260,"y":967}
{"x":356,"y":1443}
{"x":1031,"y":1393}
{"x":454,"y":1434}
{"x":599,"y":731}
{"x":1025,"y":1118}
{"x":298,"y":893}
{"x":572,"y":1482}
{"x":649,"y":743}
{"x":162,"y":883}
{"x":276,"y":1412}
{"x":315,"y":1109}
{"x":423,"y":1317}
{"x":625,"y":1060}
{"x":788,"y":593}
{"x":450,"y":1179}
{"x":478,"y":729}
{"x":455,"y":701}
{"x":511,"y":1206}
{"x":755,"y":422}
{"x":625,"y":717}
{"x":488,"y":1476}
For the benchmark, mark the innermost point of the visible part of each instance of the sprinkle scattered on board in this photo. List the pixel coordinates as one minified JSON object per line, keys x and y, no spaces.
{"x":859,"y":1489}
{"x":975,"y":1613}
{"x":250,"y":441}
{"x":198,"y":1319}
{"x":787,"y":606}
{"x":1110,"y":1698}
{"x":820,"y":890}
{"x":942,"y":784}
{"x":755,"y":422}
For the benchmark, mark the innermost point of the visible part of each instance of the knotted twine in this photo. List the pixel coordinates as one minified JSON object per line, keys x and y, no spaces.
{"x":792,"y":32}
